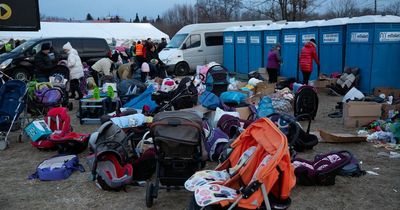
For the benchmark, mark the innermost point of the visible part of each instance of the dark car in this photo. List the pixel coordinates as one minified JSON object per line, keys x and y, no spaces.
{"x":19,"y":63}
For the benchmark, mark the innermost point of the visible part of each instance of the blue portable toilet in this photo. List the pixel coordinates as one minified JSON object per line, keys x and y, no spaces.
{"x":241,"y":50}
{"x":373,"y":45}
{"x":272,"y":36}
{"x":290,"y":49}
{"x":307,"y":31}
{"x":332,"y":36}
{"x":229,"y":48}
{"x":255,"y":46}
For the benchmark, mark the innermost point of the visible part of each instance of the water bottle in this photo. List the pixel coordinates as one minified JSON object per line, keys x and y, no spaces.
{"x":96,"y":93}
{"x":110,"y":92}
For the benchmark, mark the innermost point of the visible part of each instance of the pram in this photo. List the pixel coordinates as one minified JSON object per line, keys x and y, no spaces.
{"x":12,"y":104}
{"x":266,"y":180}
{"x":178,"y":137}
{"x":59,"y":78}
{"x":306,"y":102}
{"x":42,"y":97}
{"x":184,"y":96}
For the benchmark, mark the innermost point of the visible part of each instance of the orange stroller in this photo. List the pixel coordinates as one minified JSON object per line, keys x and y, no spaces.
{"x":266,"y":177}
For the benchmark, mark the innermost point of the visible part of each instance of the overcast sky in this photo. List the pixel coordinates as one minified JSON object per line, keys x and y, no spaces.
{"x":78,"y":9}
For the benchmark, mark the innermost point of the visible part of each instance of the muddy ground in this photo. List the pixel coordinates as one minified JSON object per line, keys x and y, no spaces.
{"x":77,"y":192}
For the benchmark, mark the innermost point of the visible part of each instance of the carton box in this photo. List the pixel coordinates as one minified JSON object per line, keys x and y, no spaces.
{"x":324,"y":82}
{"x":264,"y":88}
{"x":360,"y":113}
{"x":388,"y":110}
{"x":387,"y":91}
{"x":244,"y":112}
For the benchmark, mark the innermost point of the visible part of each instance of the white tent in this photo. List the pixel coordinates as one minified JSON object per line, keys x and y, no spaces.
{"x":121,"y":32}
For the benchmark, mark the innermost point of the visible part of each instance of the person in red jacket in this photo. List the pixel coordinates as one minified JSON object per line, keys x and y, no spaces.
{"x":308,"y":53}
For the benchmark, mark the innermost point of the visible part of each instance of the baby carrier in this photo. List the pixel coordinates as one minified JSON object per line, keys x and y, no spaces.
{"x":109,"y":160}
{"x":257,"y":173}
{"x":12,"y":104}
{"x":306,"y":102}
{"x":177,"y":138}
{"x":183,"y":97}
{"x":217,"y":80}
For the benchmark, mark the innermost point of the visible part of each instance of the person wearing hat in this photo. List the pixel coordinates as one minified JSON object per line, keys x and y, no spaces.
{"x":75,"y":67}
{"x":162,"y":45}
{"x":274,"y":63}
{"x":307,"y":54}
{"x":145,"y":68}
{"x":103,"y":67}
{"x":43,"y":63}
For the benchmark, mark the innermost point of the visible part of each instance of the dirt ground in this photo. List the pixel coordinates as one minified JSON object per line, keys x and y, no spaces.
{"x":77,"y":192}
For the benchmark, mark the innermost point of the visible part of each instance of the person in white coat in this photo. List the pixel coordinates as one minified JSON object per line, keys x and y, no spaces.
{"x":75,"y":67}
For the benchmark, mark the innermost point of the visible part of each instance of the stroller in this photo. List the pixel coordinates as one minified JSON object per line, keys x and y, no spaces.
{"x":12,"y":104}
{"x":184,"y":96}
{"x":42,"y":97}
{"x":110,"y":157}
{"x":306,"y":102}
{"x":59,"y":78}
{"x":257,"y":173}
{"x":178,"y":143}
{"x":217,"y":80}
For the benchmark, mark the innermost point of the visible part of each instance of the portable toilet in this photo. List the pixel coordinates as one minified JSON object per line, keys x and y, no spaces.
{"x":307,"y":31}
{"x":332,"y":36}
{"x":386,"y":53}
{"x":290,"y":48}
{"x":272,"y":36}
{"x":255,"y":46}
{"x":229,"y":48}
{"x":373,"y":46}
{"x":241,"y":51}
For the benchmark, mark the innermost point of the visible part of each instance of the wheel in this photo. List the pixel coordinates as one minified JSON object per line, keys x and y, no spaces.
{"x":70,"y":106}
{"x":3,"y":144}
{"x":181,"y":69}
{"x":21,"y":74}
{"x":149,"y":195}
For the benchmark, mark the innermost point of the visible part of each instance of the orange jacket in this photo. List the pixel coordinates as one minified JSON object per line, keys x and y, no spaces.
{"x":139,"y":50}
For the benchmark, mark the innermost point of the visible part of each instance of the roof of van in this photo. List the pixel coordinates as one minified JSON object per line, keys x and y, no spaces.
{"x":375,"y":19}
{"x":335,"y":22}
{"x":219,"y":26}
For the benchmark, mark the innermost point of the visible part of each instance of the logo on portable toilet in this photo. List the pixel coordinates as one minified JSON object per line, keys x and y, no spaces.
{"x":241,"y":40}
{"x":290,"y":39}
{"x":254,"y":39}
{"x":331,"y":38}
{"x":306,"y":37}
{"x":229,"y":39}
{"x":392,"y":36}
{"x":359,"y":36}
{"x":271,"y":40}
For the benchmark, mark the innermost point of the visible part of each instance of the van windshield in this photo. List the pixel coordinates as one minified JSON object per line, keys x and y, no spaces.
{"x":177,"y":40}
{"x":23,"y":46}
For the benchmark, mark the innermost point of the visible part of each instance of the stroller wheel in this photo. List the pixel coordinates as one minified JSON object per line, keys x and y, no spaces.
{"x":70,"y":106}
{"x":3,"y":144}
{"x":149,"y":195}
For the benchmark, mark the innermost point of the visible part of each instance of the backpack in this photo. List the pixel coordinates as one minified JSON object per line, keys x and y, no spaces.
{"x":233,"y":97}
{"x":322,"y":170}
{"x":353,"y":168}
{"x":306,"y":101}
{"x":209,"y":100}
{"x":228,"y":124}
{"x":57,"y":168}
{"x":215,"y":142}
{"x":217,"y":79}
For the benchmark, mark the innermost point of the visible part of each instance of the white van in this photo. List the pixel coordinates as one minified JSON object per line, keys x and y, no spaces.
{"x":198,"y":44}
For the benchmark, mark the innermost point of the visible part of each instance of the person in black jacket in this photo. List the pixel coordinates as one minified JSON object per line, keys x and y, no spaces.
{"x":162,"y":45}
{"x":43,"y":63}
{"x":156,"y":65}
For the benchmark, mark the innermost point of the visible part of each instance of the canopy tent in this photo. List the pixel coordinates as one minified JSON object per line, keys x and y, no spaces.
{"x":121,"y":32}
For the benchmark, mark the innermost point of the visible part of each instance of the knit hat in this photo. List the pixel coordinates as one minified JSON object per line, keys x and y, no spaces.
{"x":45,"y":46}
{"x":145,"y":67}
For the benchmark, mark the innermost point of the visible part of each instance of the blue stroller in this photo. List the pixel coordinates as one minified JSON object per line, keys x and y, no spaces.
{"x":12,"y":104}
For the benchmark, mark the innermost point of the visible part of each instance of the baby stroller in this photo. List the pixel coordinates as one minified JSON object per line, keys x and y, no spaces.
{"x":178,"y":137}
{"x":264,"y":178}
{"x":217,"y":80}
{"x":59,"y":78}
{"x":306,"y":102}
{"x":12,"y":104}
{"x":110,"y":157}
{"x":42,"y":97}
{"x":184,"y":96}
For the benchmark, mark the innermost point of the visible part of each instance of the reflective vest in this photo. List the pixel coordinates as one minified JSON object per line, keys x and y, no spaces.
{"x":139,"y":50}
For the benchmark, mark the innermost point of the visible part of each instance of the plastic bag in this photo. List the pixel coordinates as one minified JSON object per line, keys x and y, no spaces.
{"x":209,"y":100}
{"x":233,"y":97}
{"x":265,"y":107}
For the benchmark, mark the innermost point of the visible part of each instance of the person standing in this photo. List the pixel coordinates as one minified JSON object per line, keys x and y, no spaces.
{"x":43,"y":63}
{"x":162,"y":45}
{"x":274,"y":63}
{"x":139,"y":52}
{"x":308,"y":53}
{"x":75,"y":67}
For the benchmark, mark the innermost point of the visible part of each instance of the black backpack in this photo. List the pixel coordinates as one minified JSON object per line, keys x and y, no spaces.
{"x":217,"y":80}
{"x":306,"y":102}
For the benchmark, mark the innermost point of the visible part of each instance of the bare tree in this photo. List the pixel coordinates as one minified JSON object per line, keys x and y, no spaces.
{"x":343,"y":8}
{"x":393,"y":8}
{"x":218,"y":10}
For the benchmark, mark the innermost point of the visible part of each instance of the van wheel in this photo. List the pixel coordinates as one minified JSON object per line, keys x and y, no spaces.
{"x":181,"y":69}
{"x":21,"y":74}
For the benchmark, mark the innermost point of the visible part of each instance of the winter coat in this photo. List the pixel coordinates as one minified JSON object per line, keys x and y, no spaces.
{"x":103,"y":66}
{"x":74,"y":62}
{"x":43,"y":64}
{"x":125,"y":71}
{"x":274,"y":59}
{"x":308,"y":53}
{"x":161,"y":46}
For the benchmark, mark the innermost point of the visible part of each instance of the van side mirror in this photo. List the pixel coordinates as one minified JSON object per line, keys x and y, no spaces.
{"x":184,"y":46}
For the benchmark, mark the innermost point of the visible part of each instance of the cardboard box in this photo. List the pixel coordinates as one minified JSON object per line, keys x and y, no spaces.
{"x":388,"y":109}
{"x":323,"y":83}
{"x":360,"y":113}
{"x":264,"y":88}
{"x":244,"y":112}
{"x":387,"y":91}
